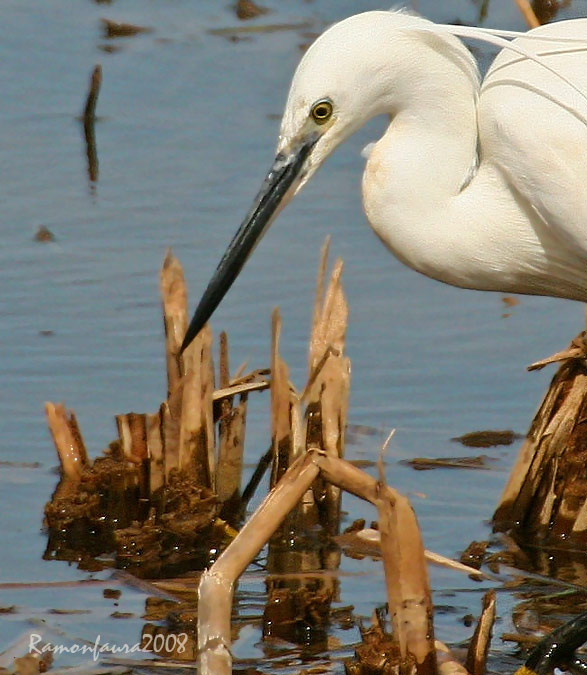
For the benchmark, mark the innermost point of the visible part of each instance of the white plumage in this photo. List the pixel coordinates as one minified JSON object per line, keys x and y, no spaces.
{"x":519,"y":224}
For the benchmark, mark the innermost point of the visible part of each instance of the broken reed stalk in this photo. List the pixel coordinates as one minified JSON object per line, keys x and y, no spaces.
{"x":231,"y":434}
{"x":188,"y":415}
{"x":330,"y":312}
{"x":479,"y":646}
{"x":68,"y":440}
{"x":174,"y":298}
{"x":132,"y":433}
{"x":282,"y":402}
{"x":327,"y":391}
{"x":528,"y":13}
{"x":155,"y":451}
{"x":216,"y":588}
{"x":324,"y":426}
{"x":406,"y":580}
{"x":196,"y":433}
{"x":325,"y":396}
{"x":409,"y":600}
{"x":545,"y":498}
{"x":194,"y":372}
{"x":170,"y":420}
{"x":287,"y":445}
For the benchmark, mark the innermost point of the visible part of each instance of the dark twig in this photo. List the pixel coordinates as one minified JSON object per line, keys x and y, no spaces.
{"x":89,"y":118}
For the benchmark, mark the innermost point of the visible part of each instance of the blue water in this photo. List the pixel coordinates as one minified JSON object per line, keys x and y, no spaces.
{"x":187,"y":128}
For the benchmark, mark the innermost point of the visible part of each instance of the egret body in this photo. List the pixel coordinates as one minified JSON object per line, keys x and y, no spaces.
{"x":480,"y":185}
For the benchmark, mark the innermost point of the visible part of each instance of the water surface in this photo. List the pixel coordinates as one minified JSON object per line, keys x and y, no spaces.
{"x":187,"y":128}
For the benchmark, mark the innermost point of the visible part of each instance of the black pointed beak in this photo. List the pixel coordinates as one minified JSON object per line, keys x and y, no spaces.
{"x":282,"y":178}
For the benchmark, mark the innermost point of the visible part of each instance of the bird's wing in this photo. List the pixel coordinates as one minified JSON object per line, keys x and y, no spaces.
{"x":533,"y":126}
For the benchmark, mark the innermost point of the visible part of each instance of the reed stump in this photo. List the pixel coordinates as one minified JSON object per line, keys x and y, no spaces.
{"x":545,"y":499}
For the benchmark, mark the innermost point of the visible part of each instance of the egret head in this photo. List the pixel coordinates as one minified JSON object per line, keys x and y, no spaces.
{"x":342,"y":81}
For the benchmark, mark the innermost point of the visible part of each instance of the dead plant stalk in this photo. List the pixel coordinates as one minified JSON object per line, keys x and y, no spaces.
{"x":409,"y":602}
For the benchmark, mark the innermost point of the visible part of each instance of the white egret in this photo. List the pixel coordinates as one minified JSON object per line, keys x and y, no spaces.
{"x":478,"y":185}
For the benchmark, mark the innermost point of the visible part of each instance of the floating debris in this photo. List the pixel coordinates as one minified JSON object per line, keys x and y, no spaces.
{"x":267,"y":28}
{"x":377,"y":652}
{"x":487,"y":439}
{"x":247,"y":9}
{"x":112,"y":593}
{"x":363,"y":430}
{"x":44,"y":234}
{"x":427,"y":463}
{"x":122,"y":615}
{"x":474,"y":554}
{"x":66,"y":612}
{"x":109,"y":48}
{"x":112,"y":29}
{"x":19,"y":465}
{"x":510,"y":300}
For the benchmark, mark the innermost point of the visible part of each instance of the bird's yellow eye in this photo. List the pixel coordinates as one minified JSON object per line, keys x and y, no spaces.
{"x":321,"y":111}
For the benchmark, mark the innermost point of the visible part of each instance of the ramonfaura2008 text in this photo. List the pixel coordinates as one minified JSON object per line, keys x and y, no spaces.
{"x":38,"y":646}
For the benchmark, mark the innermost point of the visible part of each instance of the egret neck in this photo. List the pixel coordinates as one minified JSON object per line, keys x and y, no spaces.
{"x":428,"y":154}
